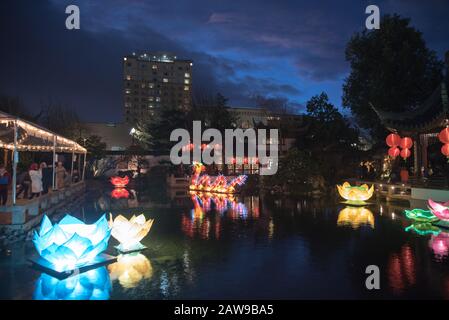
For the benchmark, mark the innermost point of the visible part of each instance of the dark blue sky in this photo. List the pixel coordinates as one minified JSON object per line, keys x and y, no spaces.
{"x":292,"y":49}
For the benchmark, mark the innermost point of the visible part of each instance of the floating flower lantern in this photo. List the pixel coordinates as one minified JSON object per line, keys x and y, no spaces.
{"x":441,"y":210}
{"x":355,"y":194}
{"x":423,"y":228}
{"x":119,"y":181}
{"x":130,"y":269}
{"x":421,"y":215}
{"x":219,"y":184}
{"x":120,"y":193}
{"x":90,"y":285}
{"x":130,"y":232}
{"x":356,"y":217}
{"x":71,"y":243}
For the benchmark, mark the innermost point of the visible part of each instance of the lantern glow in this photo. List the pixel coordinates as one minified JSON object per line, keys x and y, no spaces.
{"x":130,"y":232}
{"x":421,"y":215}
{"x":120,"y":193}
{"x":355,"y":194}
{"x":130,"y":269}
{"x":441,"y":210}
{"x":355,"y":217}
{"x":119,"y":181}
{"x":423,"y":229}
{"x":90,"y":285}
{"x":71,"y":243}
{"x":219,"y":184}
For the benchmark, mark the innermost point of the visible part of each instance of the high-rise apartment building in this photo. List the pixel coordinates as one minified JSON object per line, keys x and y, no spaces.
{"x":155,"y":81}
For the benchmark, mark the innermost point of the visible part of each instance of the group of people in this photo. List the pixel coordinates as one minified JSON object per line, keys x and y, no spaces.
{"x":33,"y":182}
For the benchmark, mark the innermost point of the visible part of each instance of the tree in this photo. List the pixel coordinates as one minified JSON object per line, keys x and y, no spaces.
{"x":295,"y":171}
{"x":61,"y":120}
{"x":153,"y":133}
{"x":277,"y":105}
{"x":391,"y":69}
{"x":329,"y":139}
{"x":96,"y":151}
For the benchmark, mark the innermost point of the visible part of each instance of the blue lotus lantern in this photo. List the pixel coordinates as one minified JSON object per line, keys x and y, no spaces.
{"x":71,"y":243}
{"x":94,"y":284}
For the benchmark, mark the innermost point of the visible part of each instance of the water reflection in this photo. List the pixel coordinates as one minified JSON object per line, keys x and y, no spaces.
{"x":440,"y":245}
{"x":90,"y":285}
{"x":355,"y":217}
{"x":130,"y":269}
{"x":402,"y":269}
{"x":119,"y":193}
{"x":423,"y":229}
{"x":209,"y":210}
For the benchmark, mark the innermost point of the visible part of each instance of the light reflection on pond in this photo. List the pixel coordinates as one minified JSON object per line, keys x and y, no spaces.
{"x":356,"y":217}
{"x":90,"y":285}
{"x":130,"y":269}
{"x":224,"y":246}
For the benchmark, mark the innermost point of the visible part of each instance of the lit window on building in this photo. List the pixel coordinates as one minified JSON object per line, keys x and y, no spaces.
{"x":187,"y":75}
{"x":154,"y":66}
{"x":158,"y":99}
{"x":186,"y":81}
{"x":127,"y":91}
{"x":165,"y":80}
{"x":186,"y":88}
{"x":128,"y":77}
{"x":151,"y":99}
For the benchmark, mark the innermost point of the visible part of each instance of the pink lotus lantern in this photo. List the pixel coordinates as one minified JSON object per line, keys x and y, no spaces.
{"x":119,"y":181}
{"x":441,"y":210}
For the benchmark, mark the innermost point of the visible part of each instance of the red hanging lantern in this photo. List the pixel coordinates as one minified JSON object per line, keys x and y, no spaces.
{"x":393,"y":152}
{"x":406,"y":143}
{"x":393,"y":140}
{"x":405,"y":153}
{"x":445,"y":149}
{"x":444,"y":135}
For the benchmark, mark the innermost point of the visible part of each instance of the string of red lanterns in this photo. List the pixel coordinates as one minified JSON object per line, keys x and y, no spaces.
{"x":394,"y":141}
{"x":443,"y":136}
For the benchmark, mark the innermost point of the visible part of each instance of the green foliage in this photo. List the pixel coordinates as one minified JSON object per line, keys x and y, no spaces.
{"x":391,"y":69}
{"x":330,"y":139}
{"x":154,"y":133}
{"x":96,"y":148}
{"x":295,"y":171}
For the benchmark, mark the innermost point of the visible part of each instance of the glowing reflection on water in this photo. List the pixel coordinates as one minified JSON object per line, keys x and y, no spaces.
{"x":90,"y":285}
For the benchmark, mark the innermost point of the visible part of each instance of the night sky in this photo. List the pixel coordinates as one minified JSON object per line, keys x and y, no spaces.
{"x":291,"y":49}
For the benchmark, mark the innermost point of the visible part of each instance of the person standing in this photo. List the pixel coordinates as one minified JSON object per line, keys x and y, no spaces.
{"x":5,"y":181}
{"x":61,"y":174}
{"x":24,"y":182}
{"x":46,"y":177}
{"x":36,"y":180}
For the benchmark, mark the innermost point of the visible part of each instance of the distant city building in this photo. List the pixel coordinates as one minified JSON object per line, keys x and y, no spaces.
{"x":155,"y":81}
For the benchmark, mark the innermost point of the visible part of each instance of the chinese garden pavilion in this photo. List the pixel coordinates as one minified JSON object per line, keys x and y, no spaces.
{"x":422,"y":124}
{"x":21,"y":135}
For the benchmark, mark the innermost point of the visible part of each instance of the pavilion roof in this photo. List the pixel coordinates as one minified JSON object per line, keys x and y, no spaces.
{"x":32,"y":137}
{"x":427,"y":118}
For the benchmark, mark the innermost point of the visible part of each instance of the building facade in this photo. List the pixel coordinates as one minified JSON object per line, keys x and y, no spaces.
{"x":155,"y":81}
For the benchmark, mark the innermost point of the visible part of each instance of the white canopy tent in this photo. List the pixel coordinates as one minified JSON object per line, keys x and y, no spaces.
{"x":21,"y":135}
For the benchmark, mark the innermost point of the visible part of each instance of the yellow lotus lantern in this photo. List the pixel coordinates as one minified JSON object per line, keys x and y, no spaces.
{"x":355,"y":194}
{"x":130,"y":269}
{"x":130,"y":232}
{"x":355,"y":217}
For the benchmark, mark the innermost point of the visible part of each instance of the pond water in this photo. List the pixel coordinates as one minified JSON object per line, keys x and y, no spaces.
{"x":245,"y":248}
